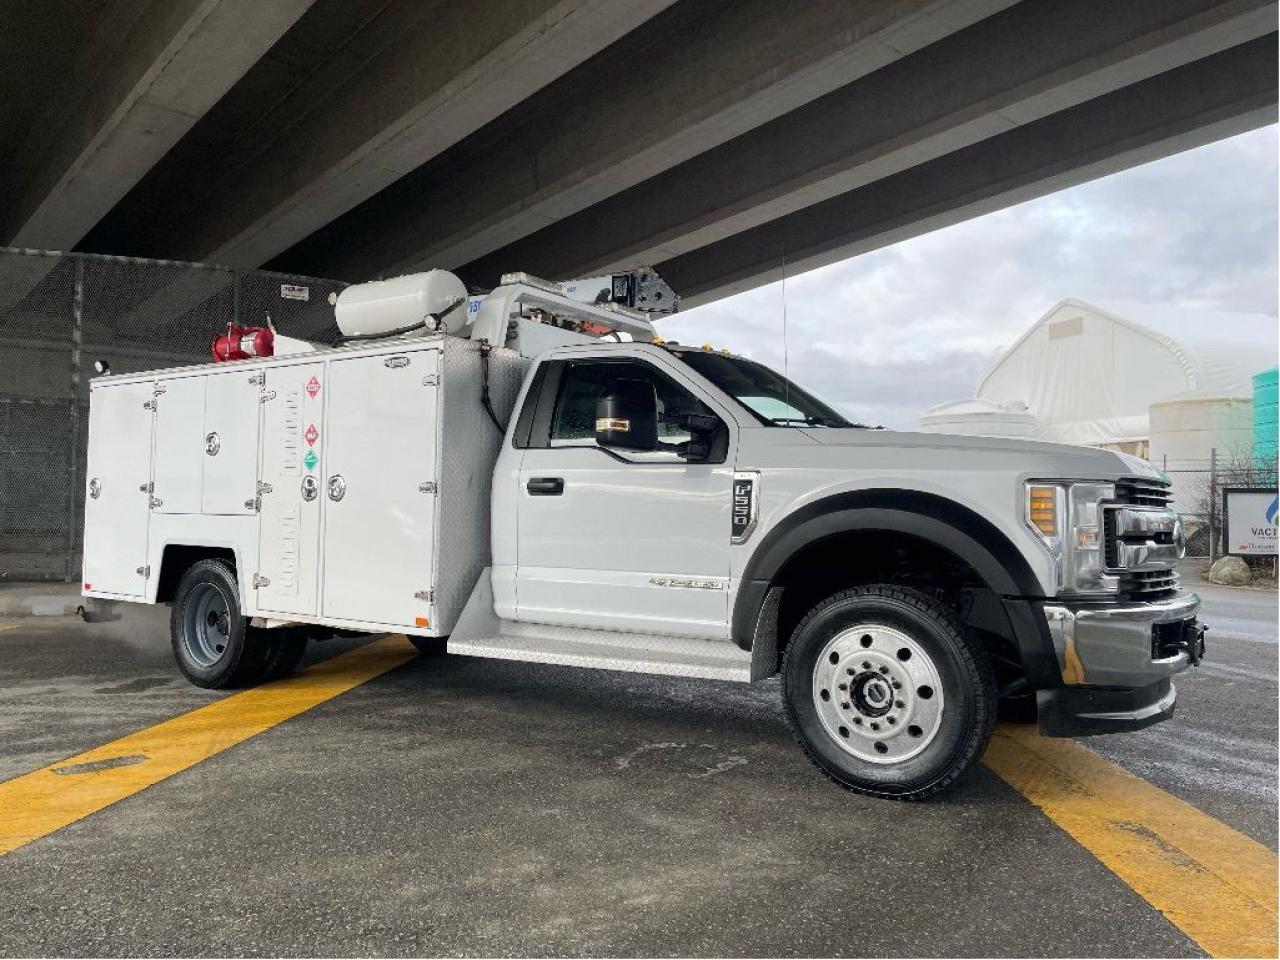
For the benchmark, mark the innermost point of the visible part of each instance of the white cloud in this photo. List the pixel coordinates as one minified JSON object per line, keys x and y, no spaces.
{"x":890,"y":333}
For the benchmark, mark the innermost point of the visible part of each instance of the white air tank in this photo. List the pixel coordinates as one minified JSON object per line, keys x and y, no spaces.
{"x":383,"y":306}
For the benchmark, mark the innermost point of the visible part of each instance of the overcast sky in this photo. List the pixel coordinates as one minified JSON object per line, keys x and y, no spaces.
{"x":888,"y":334}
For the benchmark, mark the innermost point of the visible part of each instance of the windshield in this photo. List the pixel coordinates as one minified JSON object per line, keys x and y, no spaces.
{"x":773,"y":398}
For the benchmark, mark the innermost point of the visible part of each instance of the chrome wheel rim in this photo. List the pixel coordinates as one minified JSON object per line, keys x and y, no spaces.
{"x":208,"y":625}
{"x":877,"y":693}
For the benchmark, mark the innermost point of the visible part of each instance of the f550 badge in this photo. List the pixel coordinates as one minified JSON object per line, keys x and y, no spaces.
{"x":742,"y":513}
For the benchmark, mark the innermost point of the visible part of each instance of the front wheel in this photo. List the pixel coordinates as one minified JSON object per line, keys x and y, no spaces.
{"x":888,"y":694}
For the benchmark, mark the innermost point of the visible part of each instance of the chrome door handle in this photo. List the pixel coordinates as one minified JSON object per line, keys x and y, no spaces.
{"x":310,"y":488}
{"x":212,"y":444}
{"x":337,"y":487}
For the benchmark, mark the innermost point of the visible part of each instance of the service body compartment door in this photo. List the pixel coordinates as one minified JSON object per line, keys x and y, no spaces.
{"x":231,"y":404}
{"x":179,"y":446}
{"x":292,"y":473}
{"x":117,"y":498}
{"x":379,"y":513}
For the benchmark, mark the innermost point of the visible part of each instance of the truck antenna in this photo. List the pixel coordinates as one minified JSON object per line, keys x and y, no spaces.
{"x":786,"y":371}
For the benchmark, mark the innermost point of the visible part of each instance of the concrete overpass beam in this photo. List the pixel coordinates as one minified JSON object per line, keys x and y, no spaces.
{"x":150,"y":71}
{"x":946,"y":97}
{"x":694,"y":77}
{"x":452,"y":68}
{"x":1222,"y":95}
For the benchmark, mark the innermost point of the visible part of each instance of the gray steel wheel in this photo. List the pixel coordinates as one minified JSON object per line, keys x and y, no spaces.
{"x":207,"y":626}
{"x":213,"y":643}
{"x":877,"y":693}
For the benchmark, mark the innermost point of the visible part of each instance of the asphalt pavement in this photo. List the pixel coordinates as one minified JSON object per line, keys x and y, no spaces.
{"x":462,"y":806}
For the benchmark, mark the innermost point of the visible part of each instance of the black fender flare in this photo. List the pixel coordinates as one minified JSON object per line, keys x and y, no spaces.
{"x":948,"y":525}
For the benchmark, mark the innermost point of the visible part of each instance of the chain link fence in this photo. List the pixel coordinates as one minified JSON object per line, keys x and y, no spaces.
{"x":1197,"y":493}
{"x":61,"y":312}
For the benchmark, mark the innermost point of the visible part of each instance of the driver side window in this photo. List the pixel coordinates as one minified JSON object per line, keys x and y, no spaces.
{"x":585,"y":381}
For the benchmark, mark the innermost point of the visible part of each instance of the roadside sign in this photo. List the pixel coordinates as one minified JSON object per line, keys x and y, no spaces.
{"x":1250,"y":520}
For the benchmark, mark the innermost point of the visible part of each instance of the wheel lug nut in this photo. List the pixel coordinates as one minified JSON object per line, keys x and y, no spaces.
{"x":899,"y":704}
{"x":892,"y":719}
{"x":866,"y":664}
{"x":875,"y":726}
{"x":857,"y":721}
{"x":843,"y":686}
{"x":884,"y":669}
{"x":844,"y":706}
{"x":897,"y":685}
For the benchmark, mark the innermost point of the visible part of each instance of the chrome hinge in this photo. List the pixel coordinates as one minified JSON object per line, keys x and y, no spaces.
{"x":267,"y":395}
{"x":260,"y":581}
{"x":143,"y":571}
{"x":263,"y":488}
{"x":431,"y":380}
{"x":149,"y":405}
{"x":254,"y":504}
{"x":146,"y":488}
{"x":156,"y":503}
{"x":159,"y":390}
{"x":428,"y":595}
{"x":427,"y":487}
{"x":258,"y":379}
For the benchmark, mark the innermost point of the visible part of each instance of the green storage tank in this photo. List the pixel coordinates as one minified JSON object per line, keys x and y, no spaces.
{"x":1264,"y":418}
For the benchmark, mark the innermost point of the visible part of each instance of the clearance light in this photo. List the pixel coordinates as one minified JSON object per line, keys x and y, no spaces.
{"x":1042,"y":510}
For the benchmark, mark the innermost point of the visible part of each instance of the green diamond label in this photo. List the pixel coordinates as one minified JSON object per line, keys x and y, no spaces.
{"x":310,"y":460}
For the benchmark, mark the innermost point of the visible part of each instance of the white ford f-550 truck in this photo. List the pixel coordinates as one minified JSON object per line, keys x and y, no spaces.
{"x":533,"y":475}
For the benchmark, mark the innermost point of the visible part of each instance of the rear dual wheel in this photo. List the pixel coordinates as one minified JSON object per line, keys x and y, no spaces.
{"x":887,"y":692}
{"x":213,"y":642}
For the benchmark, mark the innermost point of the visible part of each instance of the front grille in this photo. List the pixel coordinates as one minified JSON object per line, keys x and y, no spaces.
{"x":1144,"y":493}
{"x":1148,"y":585}
{"x":1138,"y":584}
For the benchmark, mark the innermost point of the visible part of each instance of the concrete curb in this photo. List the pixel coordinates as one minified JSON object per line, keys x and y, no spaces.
{"x":39,"y":599}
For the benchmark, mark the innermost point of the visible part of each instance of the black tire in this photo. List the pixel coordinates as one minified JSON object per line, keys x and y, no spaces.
{"x":873,"y":620}
{"x":430,"y":646}
{"x":222,"y":650}
{"x":286,"y":647}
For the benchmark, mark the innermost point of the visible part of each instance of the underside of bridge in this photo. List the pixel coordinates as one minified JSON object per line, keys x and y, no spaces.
{"x":713,"y":139}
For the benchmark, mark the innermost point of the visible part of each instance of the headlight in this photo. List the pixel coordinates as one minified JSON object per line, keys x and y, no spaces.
{"x":1067,"y":517}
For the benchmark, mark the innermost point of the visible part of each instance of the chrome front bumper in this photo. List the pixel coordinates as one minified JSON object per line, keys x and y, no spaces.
{"x":1116,"y":646}
{"x":1117,"y":662}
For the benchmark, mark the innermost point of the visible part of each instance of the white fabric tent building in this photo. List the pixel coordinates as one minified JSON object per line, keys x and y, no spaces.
{"x":1089,"y":373}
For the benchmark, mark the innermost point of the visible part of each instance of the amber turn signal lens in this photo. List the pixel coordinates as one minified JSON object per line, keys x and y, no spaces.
{"x":1042,"y":510}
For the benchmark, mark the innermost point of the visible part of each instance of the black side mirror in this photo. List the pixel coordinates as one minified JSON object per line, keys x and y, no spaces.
{"x":627,"y":416}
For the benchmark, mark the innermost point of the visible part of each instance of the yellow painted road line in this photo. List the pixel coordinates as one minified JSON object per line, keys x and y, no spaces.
{"x":38,"y":803}
{"x":1213,"y":883}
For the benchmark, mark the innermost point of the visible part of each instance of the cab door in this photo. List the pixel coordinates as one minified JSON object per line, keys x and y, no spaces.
{"x":635,"y":542}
